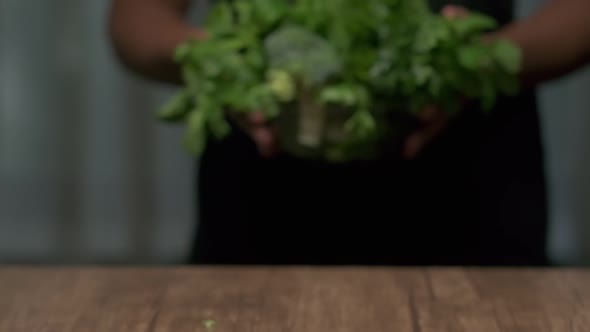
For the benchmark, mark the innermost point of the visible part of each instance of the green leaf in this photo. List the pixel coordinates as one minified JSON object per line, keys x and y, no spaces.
{"x":182,"y":52}
{"x":192,"y":78}
{"x":254,"y":58}
{"x":435,"y":85}
{"x":213,"y":115}
{"x":195,"y":136}
{"x":472,"y":56}
{"x":211,"y":68}
{"x":343,"y":94}
{"x":508,"y":55}
{"x":473,"y":24}
{"x":340,"y":36}
{"x":361,"y":124}
{"x":245,"y":11}
{"x":431,"y":34}
{"x":269,"y":12}
{"x":422,"y":74}
{"x":220,"y":21}
{"x":218,"y":124}
{"x":176,"y":108}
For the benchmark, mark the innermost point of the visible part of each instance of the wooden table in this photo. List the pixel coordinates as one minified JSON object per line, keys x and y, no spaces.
{"x":51,"y":299}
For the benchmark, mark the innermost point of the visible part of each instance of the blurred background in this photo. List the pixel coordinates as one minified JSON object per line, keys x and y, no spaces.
{"x":87,"y":175}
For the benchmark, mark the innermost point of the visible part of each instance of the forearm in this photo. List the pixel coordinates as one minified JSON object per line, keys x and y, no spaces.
{"x":555,"y":40}
{"x":146,"y":32}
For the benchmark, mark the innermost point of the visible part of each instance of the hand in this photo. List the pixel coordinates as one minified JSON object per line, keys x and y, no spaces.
{"x":433,"y":123}
{"x":433,"y":120}
{"x":263,"y":134}
{"x":254,"y":124}
{"x":453,"y":11}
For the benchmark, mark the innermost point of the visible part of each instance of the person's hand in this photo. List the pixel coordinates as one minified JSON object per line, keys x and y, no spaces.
{"x":254,"y":124}
{"x":453,"y":11}
{"x":432,"y":123}
{"x":433,"y":120}
{"x":260,"y":131}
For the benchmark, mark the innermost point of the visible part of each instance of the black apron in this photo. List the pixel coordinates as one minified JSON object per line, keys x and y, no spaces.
{"x":476,"y":196}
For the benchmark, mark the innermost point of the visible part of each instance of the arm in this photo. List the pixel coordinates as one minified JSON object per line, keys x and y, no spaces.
{"x":555,"y":40}
{"x":145,"y":33}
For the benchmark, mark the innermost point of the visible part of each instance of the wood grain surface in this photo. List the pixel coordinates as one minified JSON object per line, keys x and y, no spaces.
{"x":260,"y":299}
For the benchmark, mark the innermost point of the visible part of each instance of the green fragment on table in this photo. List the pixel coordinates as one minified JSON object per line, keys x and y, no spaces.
{"x":209,"y":324}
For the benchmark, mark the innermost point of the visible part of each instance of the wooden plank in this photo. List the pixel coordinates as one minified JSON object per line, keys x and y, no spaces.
{"x":266,"y":299}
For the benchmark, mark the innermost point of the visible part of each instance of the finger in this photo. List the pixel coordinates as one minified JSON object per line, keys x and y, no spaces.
{"x":454,"y":11}
{"x":248,"y":120}
{"x":418,"y":140}
{"x":199,"y":35}
{"x":265,"y":141}
{"x":255,"y":125}
{"x":429,"y":114}
{"x":262,"y":134}
{"x":257,"y":118}
{"x":414,"y":144}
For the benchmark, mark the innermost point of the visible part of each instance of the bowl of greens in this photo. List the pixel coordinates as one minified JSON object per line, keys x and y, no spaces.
{"x":341,"y":79}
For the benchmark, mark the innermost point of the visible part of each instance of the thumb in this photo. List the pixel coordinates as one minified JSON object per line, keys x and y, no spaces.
{"x":262,"y":134}
{"x":264,"y":139}
{"x":434,"y":122}
{"x":454,"y":11}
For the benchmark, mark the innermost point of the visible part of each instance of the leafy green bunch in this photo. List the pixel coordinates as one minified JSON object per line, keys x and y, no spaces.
{"x":364,"y":58}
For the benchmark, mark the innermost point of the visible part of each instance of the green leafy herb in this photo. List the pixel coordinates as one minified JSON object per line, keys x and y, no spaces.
{"x":365,"y":58}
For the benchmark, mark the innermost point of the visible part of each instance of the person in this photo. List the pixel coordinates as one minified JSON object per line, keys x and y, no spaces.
{"x":470,"y":191}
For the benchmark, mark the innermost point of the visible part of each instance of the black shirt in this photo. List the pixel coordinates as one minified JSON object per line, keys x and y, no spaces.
{"x":476,"y":196}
